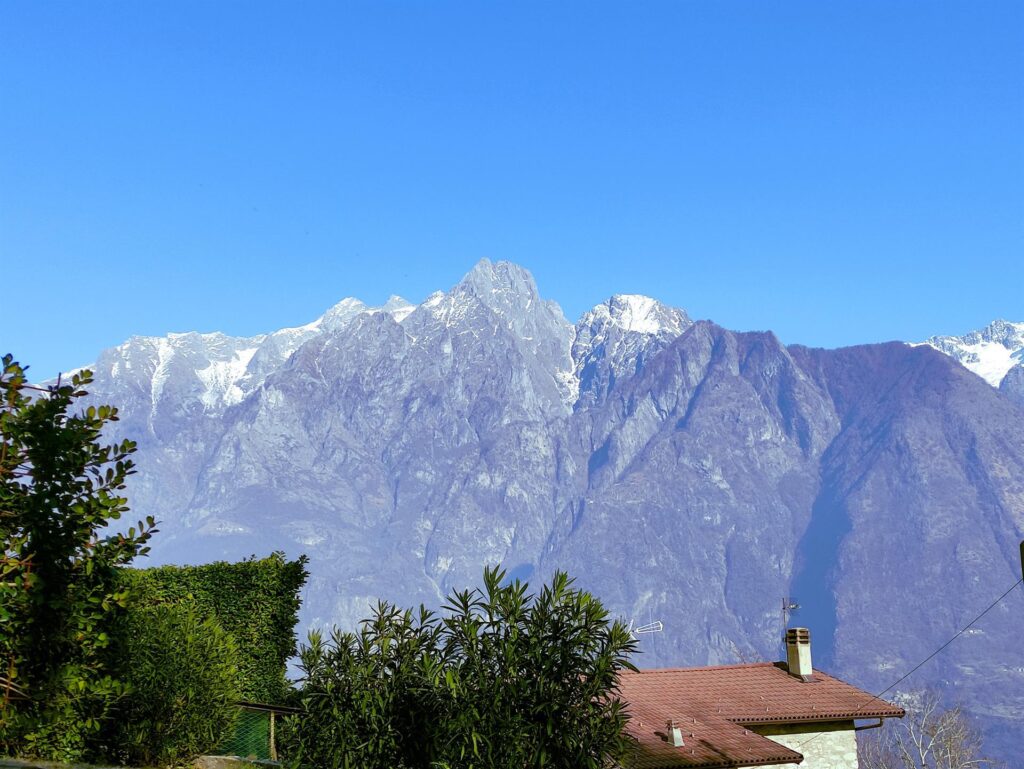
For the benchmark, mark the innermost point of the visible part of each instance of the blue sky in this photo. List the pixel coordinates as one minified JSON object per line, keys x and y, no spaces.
{"x":839,"y":172}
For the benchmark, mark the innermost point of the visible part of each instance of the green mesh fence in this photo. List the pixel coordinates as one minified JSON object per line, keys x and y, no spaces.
{"x":254,"y":736}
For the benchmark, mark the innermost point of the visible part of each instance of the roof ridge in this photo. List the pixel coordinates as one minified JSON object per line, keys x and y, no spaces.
{"x":702,"y":668}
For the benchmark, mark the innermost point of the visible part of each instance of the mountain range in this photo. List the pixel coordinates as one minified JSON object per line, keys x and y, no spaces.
{"x":682,"y":471}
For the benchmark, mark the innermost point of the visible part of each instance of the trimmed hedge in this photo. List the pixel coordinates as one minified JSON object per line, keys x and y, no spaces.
{"x":255,"y":601}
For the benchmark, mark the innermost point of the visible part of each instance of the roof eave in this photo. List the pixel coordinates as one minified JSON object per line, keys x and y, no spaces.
{"x":816,"y":718}
{"x":796,"y":758}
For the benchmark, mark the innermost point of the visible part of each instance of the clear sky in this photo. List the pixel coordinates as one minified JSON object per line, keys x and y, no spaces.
{"x":839,"y":172}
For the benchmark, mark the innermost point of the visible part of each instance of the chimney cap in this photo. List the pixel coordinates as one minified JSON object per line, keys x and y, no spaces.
{"x":798,"y":635}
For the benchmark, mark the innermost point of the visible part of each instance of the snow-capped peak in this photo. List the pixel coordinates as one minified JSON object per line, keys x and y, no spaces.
{"x":989,"y":352}
{"x":643,"y":315}
{"x":208,"y":366}
{"x":636,"y":314}
{"x":220,"y":371}
{"x":617,"y":336}
{"x":340,"y":314}
{"x":398,"y":308}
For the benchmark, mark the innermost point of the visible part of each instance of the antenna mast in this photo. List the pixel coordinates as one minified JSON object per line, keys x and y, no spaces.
{"x":789,"y":606}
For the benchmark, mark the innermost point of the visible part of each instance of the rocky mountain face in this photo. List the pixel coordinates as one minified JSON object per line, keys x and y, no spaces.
{"x":682,"y":471}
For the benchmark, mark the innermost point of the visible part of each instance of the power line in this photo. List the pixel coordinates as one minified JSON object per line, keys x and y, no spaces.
{"x":918,"y":666}
{"x":958,"y":634}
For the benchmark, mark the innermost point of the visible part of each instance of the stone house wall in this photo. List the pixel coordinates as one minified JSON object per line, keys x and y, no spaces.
{"x":830,"y":745}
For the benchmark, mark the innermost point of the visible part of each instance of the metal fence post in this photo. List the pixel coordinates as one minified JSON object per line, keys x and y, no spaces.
{"x":273,"y":745}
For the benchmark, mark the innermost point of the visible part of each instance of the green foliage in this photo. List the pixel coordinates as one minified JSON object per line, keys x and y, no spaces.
{"x":68,"y":689}
{"x":183,"y":673}
{"x":537,"y":675}
{"x":59,"y":489}
{"x":505,"y":679}
{"x":373,"y":698}
{"x":255,"y":601}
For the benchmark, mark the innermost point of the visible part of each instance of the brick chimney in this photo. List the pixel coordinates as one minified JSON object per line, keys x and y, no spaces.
{"x":798,"y":652}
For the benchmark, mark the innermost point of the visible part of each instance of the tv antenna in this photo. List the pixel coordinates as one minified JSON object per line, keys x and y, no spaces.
{"x":789,"y":607}
{"x":650,"y":627}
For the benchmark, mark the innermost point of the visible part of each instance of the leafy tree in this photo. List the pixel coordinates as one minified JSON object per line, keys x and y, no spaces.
{"x":505,"y":679}
{"x":928,"y":737}
{"x":60,"y":488}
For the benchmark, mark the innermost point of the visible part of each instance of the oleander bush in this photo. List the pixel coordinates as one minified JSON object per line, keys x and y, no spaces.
{"x":503,"y":679}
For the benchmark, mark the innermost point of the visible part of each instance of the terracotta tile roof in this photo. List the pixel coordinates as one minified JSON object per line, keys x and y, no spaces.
{"x":708,"y":741}
{"x":715,"y":705}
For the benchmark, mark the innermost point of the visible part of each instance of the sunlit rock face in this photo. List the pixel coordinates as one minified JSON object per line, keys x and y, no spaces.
{"x":682,"y":471}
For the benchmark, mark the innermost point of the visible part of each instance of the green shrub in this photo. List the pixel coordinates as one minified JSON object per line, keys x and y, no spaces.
{"x":183,"y":671}
{"x":504,"y":679}
{"x":256,"y":601}
{"x":371,"y":699}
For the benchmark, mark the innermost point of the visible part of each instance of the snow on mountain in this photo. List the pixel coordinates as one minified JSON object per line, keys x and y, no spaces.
{"x":615,"y":338}
{"x":220,"y":379}
{"x":340,"y":314}
{"x":221,"y":369}
{"x":643,"y":315}
{"x":205,"y":368}
{"x":398,"y":308}
{"x":990,"y":352}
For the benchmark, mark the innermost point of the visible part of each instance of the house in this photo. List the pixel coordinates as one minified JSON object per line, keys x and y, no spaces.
{"x":759,"y":714}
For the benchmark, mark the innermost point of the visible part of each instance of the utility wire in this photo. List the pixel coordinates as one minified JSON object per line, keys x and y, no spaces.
{"x":920,"y":664}
{"x":930,"y":656}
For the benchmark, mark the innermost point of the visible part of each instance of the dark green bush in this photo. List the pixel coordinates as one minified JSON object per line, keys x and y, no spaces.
{"x":371,"y":698}
{"x":256,"y":601}
{"x":183,"y":671}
